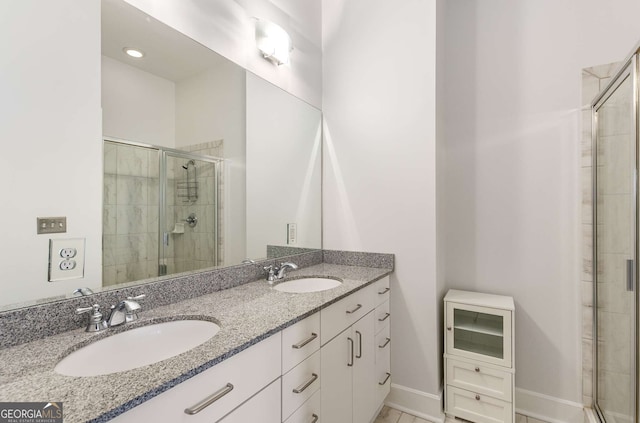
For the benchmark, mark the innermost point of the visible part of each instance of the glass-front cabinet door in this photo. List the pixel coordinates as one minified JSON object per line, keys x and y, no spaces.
{"x":479,"y":333}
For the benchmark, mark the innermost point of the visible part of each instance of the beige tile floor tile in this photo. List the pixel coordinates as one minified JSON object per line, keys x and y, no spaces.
{"x":391,"y":415}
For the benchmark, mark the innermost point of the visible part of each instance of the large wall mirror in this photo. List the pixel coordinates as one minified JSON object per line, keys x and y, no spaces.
{"x":204,"y":164}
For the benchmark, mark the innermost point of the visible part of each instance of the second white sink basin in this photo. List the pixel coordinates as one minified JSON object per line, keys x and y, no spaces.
{"x":137,"y":347}
{"x":303,"y":285}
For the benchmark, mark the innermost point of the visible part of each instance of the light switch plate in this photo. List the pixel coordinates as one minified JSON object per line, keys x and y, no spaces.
{"x":51,"y":225}
{"x":66,"y":259}
{"x":292,"y":233}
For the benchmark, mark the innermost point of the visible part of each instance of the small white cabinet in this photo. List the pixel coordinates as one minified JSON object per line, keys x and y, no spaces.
{"x":479,"y":362}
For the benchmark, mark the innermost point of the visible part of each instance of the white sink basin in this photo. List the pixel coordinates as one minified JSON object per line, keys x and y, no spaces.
{"x":137,"y":347}
{"x":307,"y":285}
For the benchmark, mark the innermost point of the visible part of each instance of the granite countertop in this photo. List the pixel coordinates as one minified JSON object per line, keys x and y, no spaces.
{"x":246,"y":315}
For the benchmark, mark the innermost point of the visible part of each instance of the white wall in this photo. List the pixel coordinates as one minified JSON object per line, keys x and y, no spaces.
{"x":513,"y":155}
{"x":283,"y":168}
{"x":211,"y":106}
{"x":379,"y":104}
{"x":137,"y":105}
{"x":227,"y":27}
{"x":51,"y":164}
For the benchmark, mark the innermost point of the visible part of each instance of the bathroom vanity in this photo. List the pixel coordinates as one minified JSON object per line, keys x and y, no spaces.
{"x":278,"y":357}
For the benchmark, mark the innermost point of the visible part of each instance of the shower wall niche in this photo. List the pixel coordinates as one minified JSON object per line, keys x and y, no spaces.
{"x":162,"y":213}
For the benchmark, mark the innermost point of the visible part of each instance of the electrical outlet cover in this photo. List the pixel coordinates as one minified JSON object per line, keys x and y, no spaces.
{"x":60,"y":267}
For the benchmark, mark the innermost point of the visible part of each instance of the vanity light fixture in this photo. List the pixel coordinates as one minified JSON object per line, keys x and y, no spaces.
{"x":133,"y":52}
{"x":273,"y":41}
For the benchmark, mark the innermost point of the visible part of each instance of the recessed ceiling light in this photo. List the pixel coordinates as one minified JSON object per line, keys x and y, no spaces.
{"x":132,"y":52}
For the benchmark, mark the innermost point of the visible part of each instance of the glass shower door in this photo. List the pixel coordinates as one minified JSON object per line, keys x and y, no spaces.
{"x":189,"y":213}
{"x":615,"y":241}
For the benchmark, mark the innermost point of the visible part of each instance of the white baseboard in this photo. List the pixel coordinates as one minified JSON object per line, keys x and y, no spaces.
{"x":533,"y":404}
{"x":417,"y":403}
{"x":590,"y":415}
{"x":548,"y":409}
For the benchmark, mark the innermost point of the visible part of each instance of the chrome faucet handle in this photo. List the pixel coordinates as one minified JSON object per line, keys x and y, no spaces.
{"x":96,"y":321}
{"x":136,"y":298}
{"x":271,"y":273}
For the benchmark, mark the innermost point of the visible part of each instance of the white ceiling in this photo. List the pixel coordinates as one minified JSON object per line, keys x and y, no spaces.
{"x":168,"y":53}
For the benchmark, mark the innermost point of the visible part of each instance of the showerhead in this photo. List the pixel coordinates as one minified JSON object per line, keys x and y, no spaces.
{"x":190,"y":162}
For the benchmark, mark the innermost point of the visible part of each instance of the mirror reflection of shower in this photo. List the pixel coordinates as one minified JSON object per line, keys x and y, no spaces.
{"x":187,"y":189}
{"x":162,"y":210}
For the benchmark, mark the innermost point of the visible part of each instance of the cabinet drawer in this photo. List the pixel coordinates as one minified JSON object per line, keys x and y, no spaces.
{"x":248,"y":372}
{"x":382,"y":316}
{"x":383,"y":365}
{"x":479,"y":378}
{"x":477,"y":408}
{"x":339,"y":316}
{"x":300,"y":384}
{"x":382,"y":290}
{"x":309,"y":412}
{"x":260,"y":408}
{"x":300,"y":341}
{"x":383,"y":346}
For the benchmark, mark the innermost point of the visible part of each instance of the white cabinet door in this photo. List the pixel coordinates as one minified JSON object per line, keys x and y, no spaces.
{"x":479,"y":333}
{"x":348,"y":374}
{"x":364,"y":375}
{"x":263,"y":408}
{"x":337,"y":360}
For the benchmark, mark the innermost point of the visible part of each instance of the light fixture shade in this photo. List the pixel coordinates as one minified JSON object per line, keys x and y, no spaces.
{"x":273,"y":41}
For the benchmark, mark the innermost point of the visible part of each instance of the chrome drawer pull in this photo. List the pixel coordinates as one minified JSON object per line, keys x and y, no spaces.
{"x":359,"y":355}
{"x":305,"y":342}
{"x":384,"y":291}
{"x":209,"y":400}
{"x":305,"y":385}
{"x":478,"y":397}
{"x":386,"y":316}
{"x":386,"y":342}
{"x":385,"y":379}
{"x":350,"y":364}
{"x":315,"y":418}
{"x":358,"y":307}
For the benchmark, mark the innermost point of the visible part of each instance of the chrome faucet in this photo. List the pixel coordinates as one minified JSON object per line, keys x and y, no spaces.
{"x":278,"y":272}
{"x":283,"y":268}
{"x":125,"y":311}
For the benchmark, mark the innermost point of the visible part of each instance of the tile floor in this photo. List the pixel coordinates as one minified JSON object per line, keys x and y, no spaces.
{"x":391,"y":415}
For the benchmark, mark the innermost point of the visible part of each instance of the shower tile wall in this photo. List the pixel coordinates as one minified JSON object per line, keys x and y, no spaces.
{"x":195,"y":249}
{"x":130,"y":221}
{"x":614,"y":357}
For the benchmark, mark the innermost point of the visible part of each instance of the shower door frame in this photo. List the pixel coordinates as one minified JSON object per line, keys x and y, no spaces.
{"x":162,"y":214}
{"x":628,"y":70}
